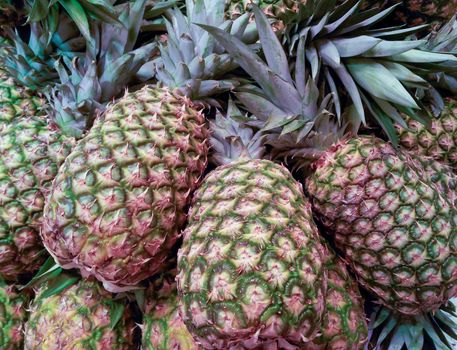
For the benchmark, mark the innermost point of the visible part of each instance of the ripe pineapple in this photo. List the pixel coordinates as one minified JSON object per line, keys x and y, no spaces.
{"x":163,"y":328}
{"x":344,"y":325}
{"x":438,"y":142}
{"x":393,"y":225}
{"x":12,"y":316}
{"x":118,"y":202}
{"x":251,"y":268}
{"x":81,"y":317}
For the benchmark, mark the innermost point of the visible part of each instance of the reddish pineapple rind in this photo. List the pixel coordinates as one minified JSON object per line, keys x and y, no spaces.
{"x":118,"y":203}
{"x":396,"y":229}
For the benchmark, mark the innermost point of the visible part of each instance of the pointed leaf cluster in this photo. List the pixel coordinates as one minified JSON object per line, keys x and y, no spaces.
{"x":389,"y":330}
{"x":88,"y":83}
{"x":192,"y":61}
{"x":376,"y":69}
{"x":291,"y":104}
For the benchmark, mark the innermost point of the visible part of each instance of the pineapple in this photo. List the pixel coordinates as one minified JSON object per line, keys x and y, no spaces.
{"x":162,"y":327}
{"x":13,"y":315}
{"x":31,"y":151}
{"x":344,"y":325}
{"x":33,"y":145}
{"x":81,"y":317}
{"x":438,"y":142}
{"x":118,"y":203}
{"x":275,"y":9}
{"x":392,"y":224}
{"x":251,"y":268}
{"x":418,"y":12}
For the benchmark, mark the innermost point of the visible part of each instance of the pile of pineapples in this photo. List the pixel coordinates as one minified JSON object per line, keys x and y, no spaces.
{"x":214,"y":174}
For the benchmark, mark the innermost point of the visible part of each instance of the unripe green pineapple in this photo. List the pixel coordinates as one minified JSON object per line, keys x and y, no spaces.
{"x":395,"y":227}
{"x":13,"y":314}
{"x":163,"y":328}
{"x":251,"y":268}
{"x":345,"y":324}
{"x":83,"y":316}
{"x":439,"y":141}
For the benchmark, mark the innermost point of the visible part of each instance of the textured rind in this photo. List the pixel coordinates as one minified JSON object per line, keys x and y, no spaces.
{"x":394,"y":226}
{"x":163,"y":328}
{"x":31,"y":151}
{"x":439,"y":141}
{"x":251,"y":267}
{"x":117,"y":204}
{"x":417,"y":12}
{"x":13,"y":314}
{"x":344,"y":326}
{"x":79,"y":318}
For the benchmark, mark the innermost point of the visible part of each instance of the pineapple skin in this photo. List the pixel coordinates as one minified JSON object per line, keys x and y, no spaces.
{"x":163,"y":328}
{"x":77,"y":319}
{"x":31,"y":151}
{"x":344,"y":325}
{"x":13,"y":315}
{"x":118,"y":202}
{"x":417,"y":12}
{"x":251,"y":268}
{"x":439,"y":141}
{"x":394,"y":227}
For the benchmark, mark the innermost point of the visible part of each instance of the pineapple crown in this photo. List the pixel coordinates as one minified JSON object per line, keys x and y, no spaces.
{"x":232,"y":140}
{"x":443,"y":41}
{"x":327,"y":43}
{"x":88,"y":83}
{"x":302,"y":154}
{"x":387,"y":328}
{"x":356,"y":61}
{"x":282,"y":103}
{"x":31,"y":64}
{"x":82,"y":12}
{"x":192,"y":60}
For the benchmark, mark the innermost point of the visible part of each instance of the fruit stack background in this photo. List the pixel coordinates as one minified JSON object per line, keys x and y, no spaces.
{"x":215,"y":174}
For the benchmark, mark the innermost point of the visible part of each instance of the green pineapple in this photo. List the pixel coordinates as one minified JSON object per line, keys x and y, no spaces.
{"x":394,"y":226}
{"x":118,"y":202}
{"x":162,"y":326}
{"x":82,"y":316}
{"x":13,"y":314}
{"x":251,"y":268}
